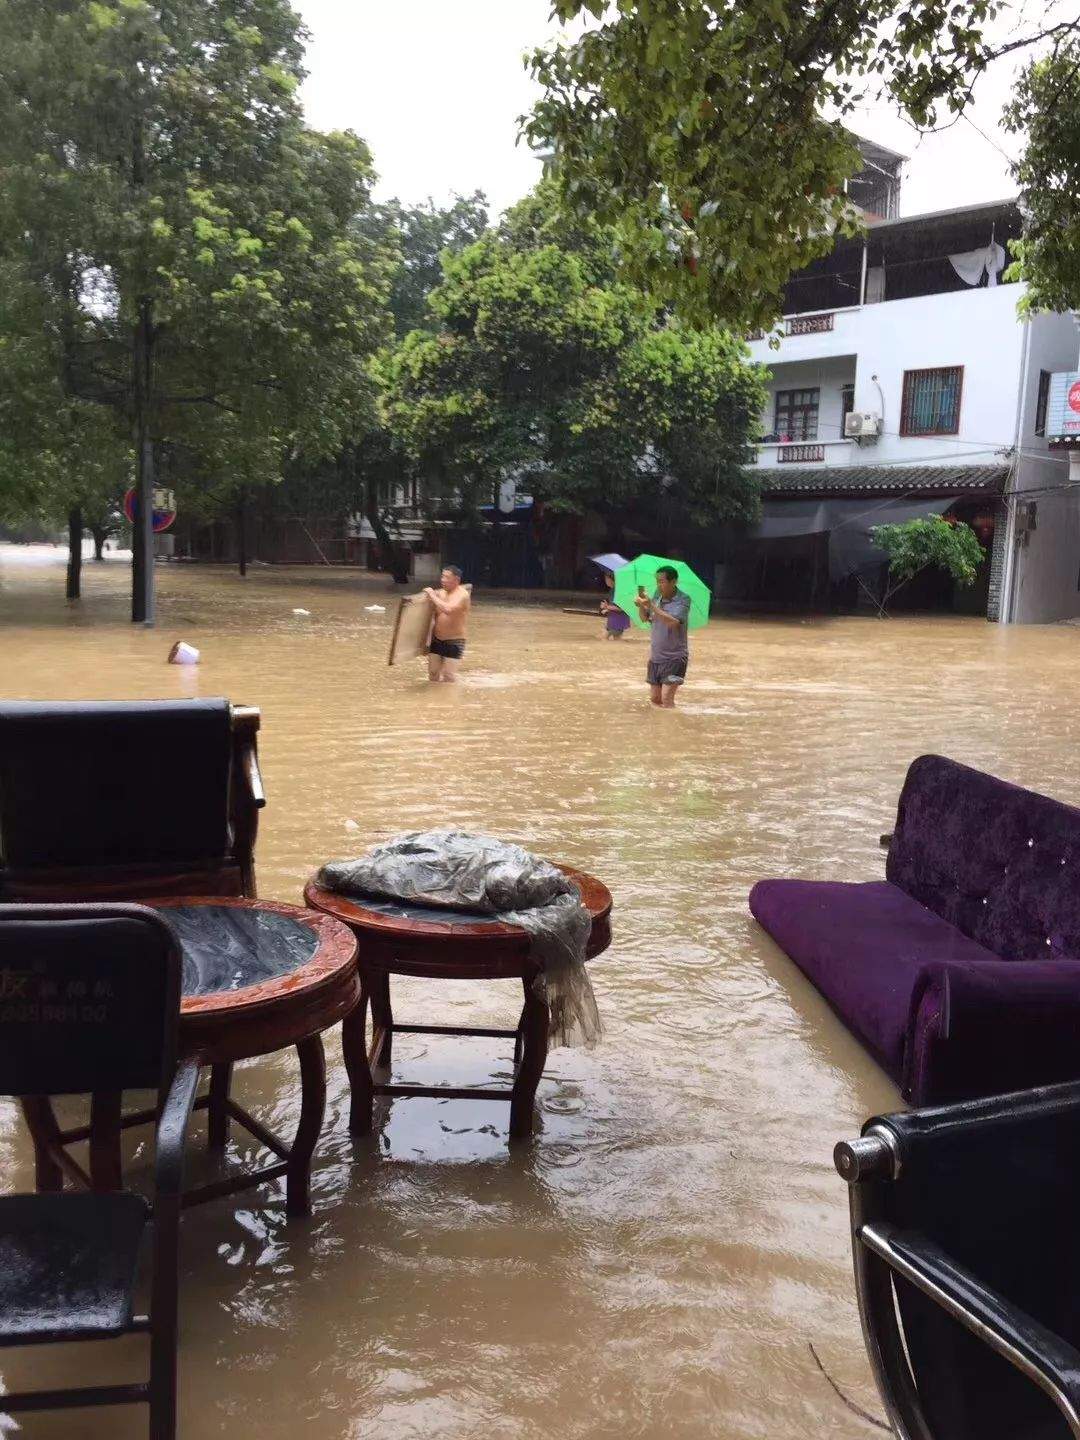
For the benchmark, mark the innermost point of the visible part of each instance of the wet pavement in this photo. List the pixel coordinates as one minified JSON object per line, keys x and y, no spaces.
{"x":659,"y":1258}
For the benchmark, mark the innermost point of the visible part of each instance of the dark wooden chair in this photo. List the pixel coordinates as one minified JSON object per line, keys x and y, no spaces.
{"x":967,"y":1265}
{"x":90,"y":1003}
{"x":130,"y":800}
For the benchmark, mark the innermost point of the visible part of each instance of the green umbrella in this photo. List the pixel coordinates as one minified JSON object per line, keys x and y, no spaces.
{"x":642,"y":571}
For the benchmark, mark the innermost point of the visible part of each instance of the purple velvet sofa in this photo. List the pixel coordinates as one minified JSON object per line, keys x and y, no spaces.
{"x":959,"y":972}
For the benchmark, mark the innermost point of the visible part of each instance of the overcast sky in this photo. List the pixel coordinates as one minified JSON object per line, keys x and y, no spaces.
{"x":435,"y":88}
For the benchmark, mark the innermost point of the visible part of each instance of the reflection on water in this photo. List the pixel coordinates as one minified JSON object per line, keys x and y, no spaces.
{"x":657,"y":1260}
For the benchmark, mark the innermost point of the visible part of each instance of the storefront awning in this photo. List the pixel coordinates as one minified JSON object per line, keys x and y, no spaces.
{"x":848,"y":524}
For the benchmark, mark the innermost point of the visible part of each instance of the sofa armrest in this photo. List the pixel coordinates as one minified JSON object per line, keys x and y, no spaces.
{"x":1044,"y":1357}
{"x":991,"y":1027}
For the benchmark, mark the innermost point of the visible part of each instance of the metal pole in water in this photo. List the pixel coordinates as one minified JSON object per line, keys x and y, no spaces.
{"x":142,"y":558}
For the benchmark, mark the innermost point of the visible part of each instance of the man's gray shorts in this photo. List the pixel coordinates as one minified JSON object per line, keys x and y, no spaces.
{"x":667,"y":672}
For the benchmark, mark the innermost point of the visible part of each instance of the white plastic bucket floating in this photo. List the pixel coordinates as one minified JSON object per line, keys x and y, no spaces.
{"x":183,"y":654}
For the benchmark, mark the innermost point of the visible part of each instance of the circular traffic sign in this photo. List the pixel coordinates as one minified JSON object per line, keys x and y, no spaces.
{"x":164,"y":508}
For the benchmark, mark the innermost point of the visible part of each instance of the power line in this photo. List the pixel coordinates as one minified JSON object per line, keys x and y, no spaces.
{"x":970,"y":444}
{"x":1026,"y":494}
{"x":989,"y":140}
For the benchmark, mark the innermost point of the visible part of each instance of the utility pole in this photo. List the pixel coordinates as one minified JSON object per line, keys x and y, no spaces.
{"x":142,"y":540}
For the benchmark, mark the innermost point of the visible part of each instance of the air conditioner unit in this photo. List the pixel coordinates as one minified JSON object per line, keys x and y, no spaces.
{"x":1027,"y":520}
{"x":861,"y":425}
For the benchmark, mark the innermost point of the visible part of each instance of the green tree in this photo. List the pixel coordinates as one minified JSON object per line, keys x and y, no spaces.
{"x":546,"y":368}
{"x":61,"y":461}
{"x":712,"y":136}
{"x":374,"y":461}
{"x":521,"y":332}
{"x":918,"y":545}
{"x":1046,"y":108}
{"x":424,"y":233}
{"x":195,"y":242}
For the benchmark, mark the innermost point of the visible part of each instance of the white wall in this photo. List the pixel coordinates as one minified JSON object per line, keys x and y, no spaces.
{"x":1042,"y":579}
{"x":1001,"y":357}
{"x":974,"y":328}
{"x":829,"y":375}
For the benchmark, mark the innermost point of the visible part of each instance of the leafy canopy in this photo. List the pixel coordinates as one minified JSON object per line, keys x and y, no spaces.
{"x":423,"y":234}
{"x":1046,"y":106}
{"x":711,"y":134}
{"x":916,"y":545}
{"x":56,"y":453}
{"x":159,"y":188}
{"x":546,"y":367}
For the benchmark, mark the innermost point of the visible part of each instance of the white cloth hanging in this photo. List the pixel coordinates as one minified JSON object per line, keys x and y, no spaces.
{"x":970,"y":265}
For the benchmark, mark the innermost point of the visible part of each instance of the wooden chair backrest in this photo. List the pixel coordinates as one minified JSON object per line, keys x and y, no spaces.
{"x":89,"y":999}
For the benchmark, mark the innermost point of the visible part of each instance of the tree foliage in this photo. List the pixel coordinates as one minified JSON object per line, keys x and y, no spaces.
{"x":546,"y":368}
{"x":57,"y":453}
{"x":712,"y":135}
{"x":917,"y":545}
{"x":196,"y":246}
{"x":1046,"y":107}
{"x":423,"y":234}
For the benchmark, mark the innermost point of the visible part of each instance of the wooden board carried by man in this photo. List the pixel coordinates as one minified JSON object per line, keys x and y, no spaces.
{"x":433,"y":623}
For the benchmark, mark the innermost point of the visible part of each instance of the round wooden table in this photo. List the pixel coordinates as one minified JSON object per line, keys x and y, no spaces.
{"x":434,"y":943}
{"x":257,"y":976}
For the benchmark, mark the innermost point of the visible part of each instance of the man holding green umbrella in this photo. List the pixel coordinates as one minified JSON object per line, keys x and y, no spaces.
{"x":679,"y":603}
{"x":668,"y":613}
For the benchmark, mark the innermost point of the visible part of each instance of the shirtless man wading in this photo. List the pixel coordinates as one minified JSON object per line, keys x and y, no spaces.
{"x":447,"y":646}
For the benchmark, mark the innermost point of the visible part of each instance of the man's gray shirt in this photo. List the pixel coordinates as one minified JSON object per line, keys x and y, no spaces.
{"x":669,"y":641}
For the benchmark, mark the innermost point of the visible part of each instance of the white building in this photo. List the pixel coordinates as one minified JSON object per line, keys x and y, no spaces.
{"x":904,"y":382}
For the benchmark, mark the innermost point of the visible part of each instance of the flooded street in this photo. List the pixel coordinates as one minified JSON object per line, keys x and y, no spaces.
{"x":659,"y":1258}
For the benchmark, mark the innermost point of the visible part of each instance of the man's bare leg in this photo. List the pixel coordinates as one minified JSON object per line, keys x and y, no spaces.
{"x":668,"y":693}
{"x":435,"y":667}
{"x":656,"y":694}
{"x":449,"y":670}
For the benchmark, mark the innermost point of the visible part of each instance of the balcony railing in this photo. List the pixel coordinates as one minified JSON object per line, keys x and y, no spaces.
{"x":818,"y":324}
{"x":771,"y":452}
{"x":809,"y":324}
{"x":800,"y":454}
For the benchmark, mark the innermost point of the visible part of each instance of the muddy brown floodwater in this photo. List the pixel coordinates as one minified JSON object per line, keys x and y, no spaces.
{"x":658,"y":1259}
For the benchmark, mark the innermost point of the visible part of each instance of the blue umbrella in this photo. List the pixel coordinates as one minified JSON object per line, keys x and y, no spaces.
{"x":609,"y":562}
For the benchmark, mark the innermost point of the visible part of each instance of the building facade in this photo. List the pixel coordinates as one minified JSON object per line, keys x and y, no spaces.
{"x":904,"y":382}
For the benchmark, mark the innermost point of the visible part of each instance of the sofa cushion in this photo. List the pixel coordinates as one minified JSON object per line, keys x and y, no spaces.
{"x":1000,"y":863}
{"x":864,"y":947}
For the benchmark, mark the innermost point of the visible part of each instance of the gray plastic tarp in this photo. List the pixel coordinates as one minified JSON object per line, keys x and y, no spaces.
{"x":848,"y":524}
{"x":456,"y":870}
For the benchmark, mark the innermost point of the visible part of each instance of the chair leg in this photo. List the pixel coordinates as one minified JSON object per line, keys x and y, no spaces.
{"x":312,"y":1110}
{"x":217,"y":1110}
{"x":105,"y":1161}
{"x":382,"y":1017}
{"x":163,"y":1320}
{"x":535,"y":1020}
{"x":354,"y":1051}
{"x":45,"y":1132}
{"x":519,"y":1038}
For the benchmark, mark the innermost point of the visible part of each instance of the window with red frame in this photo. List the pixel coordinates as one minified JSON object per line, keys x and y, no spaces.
{"x":931,"y":403}
{"x":796,"y":414}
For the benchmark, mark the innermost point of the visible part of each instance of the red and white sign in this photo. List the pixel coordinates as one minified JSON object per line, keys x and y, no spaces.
{"x":164,"y":508}
{"x":1063,"y":407}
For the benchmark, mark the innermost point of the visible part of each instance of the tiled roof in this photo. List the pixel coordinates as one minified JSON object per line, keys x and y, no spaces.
{"x":886,"y":479}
